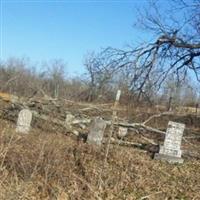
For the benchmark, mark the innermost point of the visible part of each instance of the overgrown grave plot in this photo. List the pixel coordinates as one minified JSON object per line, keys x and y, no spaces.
{"x":146,"y":133}
{"x":47,"y":115}
{"x":130,"y":173}
{"x":149,"y":140}
{"x":50,"y":166}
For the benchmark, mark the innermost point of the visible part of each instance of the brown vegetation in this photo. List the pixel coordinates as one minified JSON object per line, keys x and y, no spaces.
{"x":53,"y":166}
{"x":54,"y":162}
{"x":47,"y":164}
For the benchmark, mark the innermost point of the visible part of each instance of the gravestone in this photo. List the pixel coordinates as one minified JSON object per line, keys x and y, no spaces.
{"x":96,"y":133}
{"x":24,"y":121}
{"x":122,"y":132}
{"x":171,"y":150}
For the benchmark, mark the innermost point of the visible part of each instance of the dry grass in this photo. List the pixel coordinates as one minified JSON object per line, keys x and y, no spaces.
{"x":53,"y":166}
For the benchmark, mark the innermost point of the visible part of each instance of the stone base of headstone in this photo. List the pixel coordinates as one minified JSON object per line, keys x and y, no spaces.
{"x":22,"y":129}
{"x":170,"y":159}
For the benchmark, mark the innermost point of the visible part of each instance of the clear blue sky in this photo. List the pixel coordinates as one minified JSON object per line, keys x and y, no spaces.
{"x":44,"y":30}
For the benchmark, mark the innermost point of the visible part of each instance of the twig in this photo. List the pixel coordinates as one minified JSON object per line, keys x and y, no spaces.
{"x":148,"y":140}
{"x":147,"y":197}
{"x":139,"y":126}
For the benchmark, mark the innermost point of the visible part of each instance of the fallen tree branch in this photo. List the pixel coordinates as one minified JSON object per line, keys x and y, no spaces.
{"x":191,"y":154}
{"x":141,"y":126}
{"x":156,"y":116}
{"x":125,"y":143}
{"x":141,"y":147}
{"x":61,"y":123}
{"x":148,"y":140}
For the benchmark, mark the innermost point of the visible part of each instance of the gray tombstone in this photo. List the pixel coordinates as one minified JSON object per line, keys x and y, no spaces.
{"x":171,"y":150}
{"x":24,"y":121}
{"x":96,"y":133}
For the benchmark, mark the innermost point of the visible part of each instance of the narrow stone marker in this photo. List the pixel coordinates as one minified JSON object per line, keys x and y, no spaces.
{"x":96,"y":133}
{"x":24,"y":121}
{"x":171,"y":150}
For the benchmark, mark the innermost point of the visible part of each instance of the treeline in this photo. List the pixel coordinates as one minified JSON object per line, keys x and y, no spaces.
{"x":98,"y":83}
{"x":21,"y":77}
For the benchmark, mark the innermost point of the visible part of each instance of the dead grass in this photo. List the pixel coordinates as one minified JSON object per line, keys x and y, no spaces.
{"x":53,"y":166}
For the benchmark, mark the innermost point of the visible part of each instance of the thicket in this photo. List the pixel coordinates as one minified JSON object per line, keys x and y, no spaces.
{"x":96,"y":84}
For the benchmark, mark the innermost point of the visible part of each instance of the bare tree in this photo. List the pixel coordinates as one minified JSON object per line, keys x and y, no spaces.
{"x":55,"y":77}
{"x":100,"y":72}
{"x":175,"y":48}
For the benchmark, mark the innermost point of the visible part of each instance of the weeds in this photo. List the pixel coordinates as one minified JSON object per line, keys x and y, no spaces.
{"x":52,"y":166}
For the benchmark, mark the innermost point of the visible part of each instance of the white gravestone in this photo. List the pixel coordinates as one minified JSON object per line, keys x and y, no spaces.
{"x":96,"y":133}
{"x":171,"y":150}
{"x":24,"y":121}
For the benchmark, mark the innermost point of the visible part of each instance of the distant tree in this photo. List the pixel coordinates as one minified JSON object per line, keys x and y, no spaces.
{"x":177,"y":93}
{"x":56,"y":72}
{"x":99,"y":72}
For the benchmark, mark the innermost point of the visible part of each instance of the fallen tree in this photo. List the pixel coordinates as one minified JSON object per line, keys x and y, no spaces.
{"x":53,"y":112}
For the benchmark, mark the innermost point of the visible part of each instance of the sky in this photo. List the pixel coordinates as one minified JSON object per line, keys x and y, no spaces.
{"x":45,"y":30}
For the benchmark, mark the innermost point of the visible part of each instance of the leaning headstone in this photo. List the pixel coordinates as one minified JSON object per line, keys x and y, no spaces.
{"x":24,"y":121}
{"x":171,"y":150}
{"x":96,"y":133}
{"x":122,"y":132}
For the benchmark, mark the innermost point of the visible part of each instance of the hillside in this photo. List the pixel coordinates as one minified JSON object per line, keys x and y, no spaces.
{"x":50,"y":164}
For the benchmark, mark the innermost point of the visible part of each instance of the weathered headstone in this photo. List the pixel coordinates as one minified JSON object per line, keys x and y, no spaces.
{"x":24,"y":121}
{"x":122,"y":132}
{"x":171,"y":150}
{"x":96,"y":133}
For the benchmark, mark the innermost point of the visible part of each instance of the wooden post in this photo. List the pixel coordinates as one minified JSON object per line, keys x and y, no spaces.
{"x":169,"y":107}
{"x":197,"y":106}
{"x":114,"y":119}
